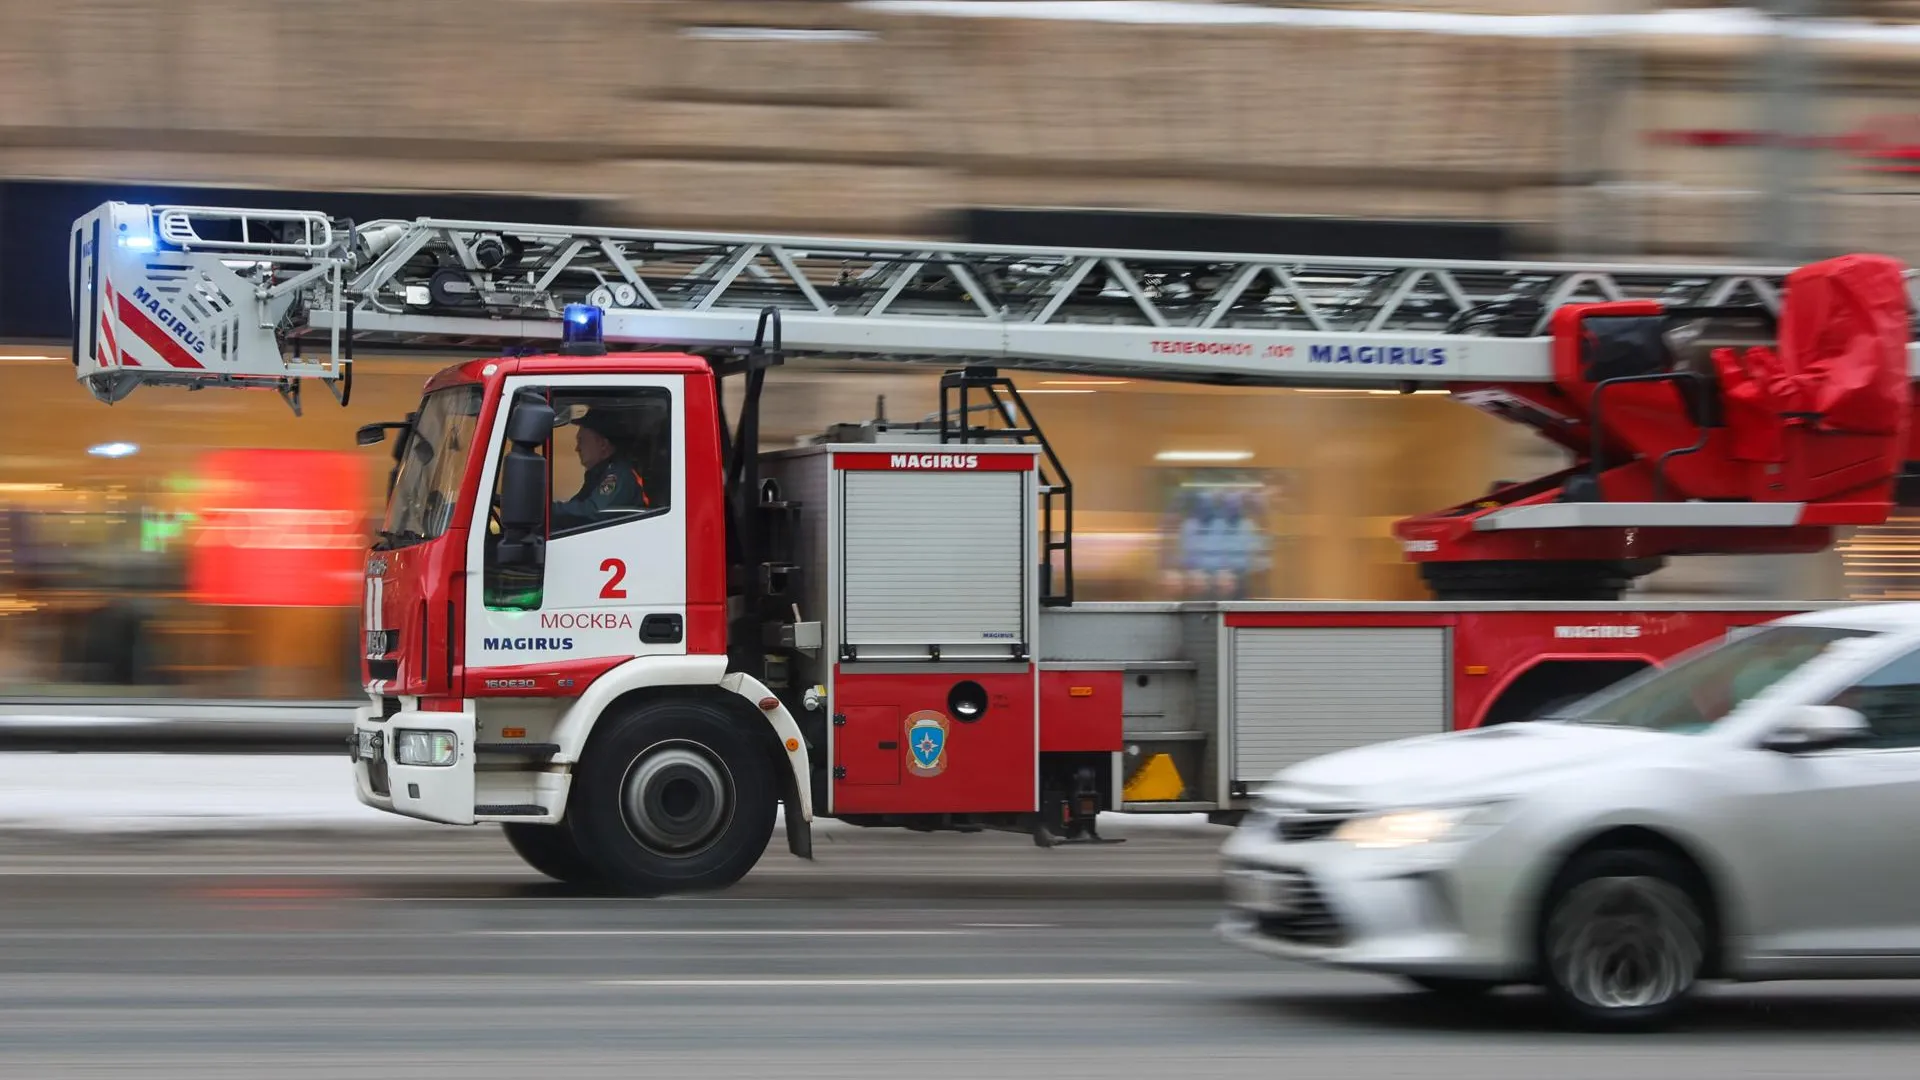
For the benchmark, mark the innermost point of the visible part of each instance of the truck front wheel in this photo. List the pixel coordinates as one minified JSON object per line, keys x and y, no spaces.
{"x":550,"y":849}
{"x":673,"y":796}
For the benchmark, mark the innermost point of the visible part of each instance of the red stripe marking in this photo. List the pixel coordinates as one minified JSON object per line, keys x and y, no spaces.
{"x":106,"y":326}
{"x":114,"y":351}
{"x":1254,"y":619}
{"x":938,"y":460}
{"x":147,"y":330}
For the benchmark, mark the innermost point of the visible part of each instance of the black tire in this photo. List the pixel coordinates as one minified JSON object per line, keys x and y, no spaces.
{"x":1547,"y":707}
{"x":673,"y":796}
{"x":551,"y":850}
{"x":1449,"y":986}
{"x":1622,"y":940}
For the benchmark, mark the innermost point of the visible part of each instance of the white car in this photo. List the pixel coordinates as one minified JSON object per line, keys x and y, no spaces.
{"x":1750,"y":812}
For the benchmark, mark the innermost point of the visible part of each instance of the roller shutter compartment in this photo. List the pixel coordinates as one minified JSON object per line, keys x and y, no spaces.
{"x":934,"y":558}
{"x":1299,"y":692}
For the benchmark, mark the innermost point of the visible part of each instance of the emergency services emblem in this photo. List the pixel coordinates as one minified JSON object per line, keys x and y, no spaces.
{"x":607,"y":485}
{"x":927,"y":743}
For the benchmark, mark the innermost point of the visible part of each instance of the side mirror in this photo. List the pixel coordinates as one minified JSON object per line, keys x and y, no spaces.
{"x":523,"y":495}
{"x":523,"y":491}
{"x":523,"y":486}
{"x":1817,"y":727}
{"x":530,"y":423}
{"x":375,"y":434}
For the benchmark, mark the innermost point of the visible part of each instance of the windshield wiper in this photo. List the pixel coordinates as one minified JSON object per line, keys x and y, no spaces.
{"x":393,"y":538}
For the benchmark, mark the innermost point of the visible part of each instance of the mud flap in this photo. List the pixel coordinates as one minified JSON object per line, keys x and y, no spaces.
{"x":799,"y":834}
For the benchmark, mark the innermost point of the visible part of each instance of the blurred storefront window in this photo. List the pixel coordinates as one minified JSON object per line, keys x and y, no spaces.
{"x":209,"y":545}
{"x":185,"y":545}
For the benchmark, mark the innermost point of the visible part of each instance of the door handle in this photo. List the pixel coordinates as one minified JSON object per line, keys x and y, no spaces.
{"x":660,"y":630}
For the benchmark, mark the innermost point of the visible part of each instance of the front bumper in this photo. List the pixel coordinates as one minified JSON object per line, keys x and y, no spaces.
{"x":442,"y":793}
{"x":1442,"y":909}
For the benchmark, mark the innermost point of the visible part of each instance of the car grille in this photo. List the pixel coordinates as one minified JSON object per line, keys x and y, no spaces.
{"x":1308,"y":919}
{"x":1299,"y":827}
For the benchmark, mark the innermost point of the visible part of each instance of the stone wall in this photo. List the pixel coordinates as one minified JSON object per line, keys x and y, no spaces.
{"x":884,"y":126}
{"x":687,"y":113}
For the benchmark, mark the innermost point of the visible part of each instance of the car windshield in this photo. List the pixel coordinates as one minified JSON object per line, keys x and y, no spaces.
{"x":1706,"y":685}
{"x":432,"y":462}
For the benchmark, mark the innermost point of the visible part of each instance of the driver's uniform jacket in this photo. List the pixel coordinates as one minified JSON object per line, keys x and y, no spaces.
{"x":612,"y":483}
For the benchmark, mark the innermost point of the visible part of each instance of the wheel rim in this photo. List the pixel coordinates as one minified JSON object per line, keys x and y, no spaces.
{"x":1626,"y":943}
{"x":676,"y":799}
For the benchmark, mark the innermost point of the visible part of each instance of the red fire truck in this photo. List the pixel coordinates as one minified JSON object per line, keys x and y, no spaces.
{"x":880,"y":627}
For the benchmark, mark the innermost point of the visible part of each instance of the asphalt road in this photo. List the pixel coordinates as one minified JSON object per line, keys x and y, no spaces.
{"x":436,"y":954}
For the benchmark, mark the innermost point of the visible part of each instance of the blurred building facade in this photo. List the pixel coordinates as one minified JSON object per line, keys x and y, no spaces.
{"x":1590,"y":140}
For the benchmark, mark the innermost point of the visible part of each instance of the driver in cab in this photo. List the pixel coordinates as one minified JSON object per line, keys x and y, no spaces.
{"x":612,"y":479}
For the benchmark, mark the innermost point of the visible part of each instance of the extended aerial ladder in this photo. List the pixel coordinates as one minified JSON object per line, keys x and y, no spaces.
{"x":198,"y":296}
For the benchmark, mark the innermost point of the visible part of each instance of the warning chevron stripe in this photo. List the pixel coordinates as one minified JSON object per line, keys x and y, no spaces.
{"x":114,"y":355}
{"x":158,"y":340}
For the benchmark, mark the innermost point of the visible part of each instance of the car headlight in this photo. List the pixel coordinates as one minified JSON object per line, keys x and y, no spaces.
{"x":425,"y":747}
{"x":1406,"y":828}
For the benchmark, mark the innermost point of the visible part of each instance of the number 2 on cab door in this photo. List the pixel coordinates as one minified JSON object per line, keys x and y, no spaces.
{"x":613,"y":590}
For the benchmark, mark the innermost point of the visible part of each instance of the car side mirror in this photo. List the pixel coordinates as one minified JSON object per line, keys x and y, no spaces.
{"x":1807,"y":728}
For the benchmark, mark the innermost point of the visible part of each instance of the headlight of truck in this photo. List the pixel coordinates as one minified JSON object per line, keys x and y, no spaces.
{"x":1406,"y":828}
{"x":425,"y":747}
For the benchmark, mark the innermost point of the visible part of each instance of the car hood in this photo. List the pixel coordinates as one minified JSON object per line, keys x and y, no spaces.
{"x":1484,"y":762}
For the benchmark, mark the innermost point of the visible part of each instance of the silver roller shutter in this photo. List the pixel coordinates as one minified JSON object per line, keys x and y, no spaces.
{"x":934,"y":558}
{"x":1299,"y":692}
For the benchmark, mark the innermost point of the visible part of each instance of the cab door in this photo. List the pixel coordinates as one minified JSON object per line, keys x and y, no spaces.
{"x":613,"y":581}
{"x":1833,"y":838}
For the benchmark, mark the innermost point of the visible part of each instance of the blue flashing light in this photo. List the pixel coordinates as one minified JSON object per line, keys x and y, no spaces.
{"x":583,"y":325}
{"x":137,"y":243}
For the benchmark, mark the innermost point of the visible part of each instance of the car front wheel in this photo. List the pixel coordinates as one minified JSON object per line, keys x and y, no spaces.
{"x":1623,"y":940}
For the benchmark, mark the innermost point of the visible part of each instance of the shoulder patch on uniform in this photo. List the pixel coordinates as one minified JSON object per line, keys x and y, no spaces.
{"x":608,"y":485}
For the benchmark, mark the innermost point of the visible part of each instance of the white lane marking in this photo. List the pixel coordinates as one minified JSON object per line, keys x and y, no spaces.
{"x":1011,"y":925}
{"x":716,"y":933}
{"x":883,"y":982}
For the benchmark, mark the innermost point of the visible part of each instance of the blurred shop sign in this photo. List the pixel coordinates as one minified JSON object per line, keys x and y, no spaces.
{"x":279,"y":528}
{"x":1887,"y":144}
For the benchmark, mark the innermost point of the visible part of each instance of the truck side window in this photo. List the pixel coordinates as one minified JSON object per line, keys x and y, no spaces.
{"x":611,"y":456}
{"x":1890,"y":700}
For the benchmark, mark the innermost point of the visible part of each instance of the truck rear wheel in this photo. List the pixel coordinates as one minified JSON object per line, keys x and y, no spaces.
{"x":551,"y":850}
{"x":673,"y":796}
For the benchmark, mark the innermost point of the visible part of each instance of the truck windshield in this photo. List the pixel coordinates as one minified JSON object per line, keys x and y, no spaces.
{"x":427,"y":486}
{"x":1704,"y":686}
